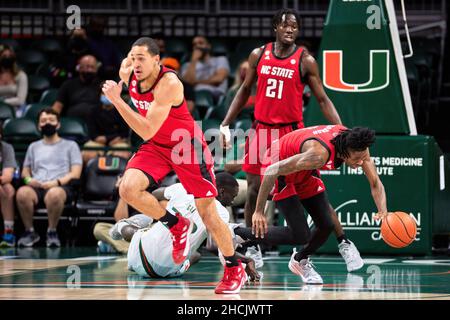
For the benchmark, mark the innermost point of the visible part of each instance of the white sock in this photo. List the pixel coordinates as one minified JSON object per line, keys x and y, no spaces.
{"x":9,"y":225}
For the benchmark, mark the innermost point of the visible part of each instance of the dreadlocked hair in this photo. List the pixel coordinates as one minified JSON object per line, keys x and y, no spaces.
{"x":356,"y":139}
{"x":278,"y":17}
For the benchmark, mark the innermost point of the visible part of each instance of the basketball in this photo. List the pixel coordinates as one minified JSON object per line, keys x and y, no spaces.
{"x":398,"y":229}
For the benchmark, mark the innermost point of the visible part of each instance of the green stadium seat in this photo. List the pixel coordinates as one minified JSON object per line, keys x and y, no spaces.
{"x":49,"y":96}
{"x":49,"y":46}
{"x":176,"y":48}
{"x":210,"y":124}
{"x":20,"y":133}
{"x":203,"y":99}
{"x":243,"y":124}
{"x":36,"y":86}
{"x":74,"y":129}
{"x":218,"y":48}
{"x":30,"y":60}
{"x":6,"y":111}
{"x":32,"y":110}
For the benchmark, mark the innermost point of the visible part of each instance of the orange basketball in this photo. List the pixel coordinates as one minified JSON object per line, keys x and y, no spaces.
{"x":398,"y":229}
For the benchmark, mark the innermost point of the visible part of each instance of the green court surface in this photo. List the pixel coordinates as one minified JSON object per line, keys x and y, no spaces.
{"x":81,"y":273}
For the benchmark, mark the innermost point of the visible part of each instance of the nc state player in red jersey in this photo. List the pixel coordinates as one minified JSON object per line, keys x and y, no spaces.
{"x":157,"y":93}
{"x":282,"y":69}
{"x":295,"y":161}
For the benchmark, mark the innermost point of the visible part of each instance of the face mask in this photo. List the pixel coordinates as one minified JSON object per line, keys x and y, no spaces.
{"x":7,"y":62}
{"x":104,"y":100}
{"x":48,"y":130}
{"x":88,"y":77}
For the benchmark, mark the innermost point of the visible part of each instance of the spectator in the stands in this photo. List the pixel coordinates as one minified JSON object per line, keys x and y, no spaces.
{"x":189,"y":93}
{"x":51,"y":165}
{"x":13,"y":80}
{"x":106,"y":128}
{"x":77,"y":97}
{"x":77,"y":47}
{"x":7,"y":166}
{"x":204,"y":71}
{"x":102,"y":47}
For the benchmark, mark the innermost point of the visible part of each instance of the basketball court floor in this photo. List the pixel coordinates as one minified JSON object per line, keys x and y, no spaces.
{"x":81,"y":273}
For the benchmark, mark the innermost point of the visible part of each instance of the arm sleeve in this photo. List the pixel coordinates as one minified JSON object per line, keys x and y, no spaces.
{"x":9,"y":158}
{"x":29,"y":156}
{"x":22,"y":90}
{"x":222,"y":63}
{"x":75,"y":154}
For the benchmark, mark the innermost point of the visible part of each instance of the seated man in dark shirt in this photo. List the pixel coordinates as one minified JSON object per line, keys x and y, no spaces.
{"x":78,"y":96}
{"x":106,"y":128}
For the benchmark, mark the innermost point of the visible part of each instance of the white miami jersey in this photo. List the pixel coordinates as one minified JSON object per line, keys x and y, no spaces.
{"x":156,"y":241}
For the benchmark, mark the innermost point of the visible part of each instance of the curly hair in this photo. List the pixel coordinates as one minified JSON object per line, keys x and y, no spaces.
{"x":356,"y":139}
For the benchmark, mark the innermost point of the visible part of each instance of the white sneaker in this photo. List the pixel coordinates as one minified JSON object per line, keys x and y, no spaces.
{"x":305,"y":270}
{"x":351,"y":256}
{"x":256,"y":255}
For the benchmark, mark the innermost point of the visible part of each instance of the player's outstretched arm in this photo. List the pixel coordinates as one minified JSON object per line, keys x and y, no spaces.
{"x":326,"y":105}
{"x":376,"y":187}
{"x":313,"y":156}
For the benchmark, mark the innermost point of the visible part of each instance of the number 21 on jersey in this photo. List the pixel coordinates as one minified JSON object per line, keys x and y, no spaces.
{"x":274,"y":88}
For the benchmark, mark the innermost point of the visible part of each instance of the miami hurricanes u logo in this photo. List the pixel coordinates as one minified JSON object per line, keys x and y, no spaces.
{"x":378,"y":77}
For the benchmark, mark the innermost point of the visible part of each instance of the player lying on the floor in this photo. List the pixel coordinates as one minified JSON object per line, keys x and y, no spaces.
{"x":150,"y":250}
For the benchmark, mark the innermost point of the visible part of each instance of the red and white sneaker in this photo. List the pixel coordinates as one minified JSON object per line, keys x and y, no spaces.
{"x":180,"y":239}
{"x":233,"y":279}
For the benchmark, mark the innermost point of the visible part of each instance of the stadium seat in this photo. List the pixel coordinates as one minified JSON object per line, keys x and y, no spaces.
{"x":243,"y":124}
{"x":32,"y":110}
{"x":20,"y":133}
{"x":74,"y":129}
{"x":30,"y":60}
{"x":210,"y":124}
{"x":203,"y":99}
{"x":49,"y":46}
{"x":6,"y":111}
{"x":36,"y":86}
{"x":218,"y":48}
{"x":49,"y":96}
{"x":98,"y":198}
{"x":176,"y":48}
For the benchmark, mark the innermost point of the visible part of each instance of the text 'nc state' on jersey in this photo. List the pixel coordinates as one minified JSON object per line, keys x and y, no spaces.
{"x":141,"y":104}
{"x":277,"y":71}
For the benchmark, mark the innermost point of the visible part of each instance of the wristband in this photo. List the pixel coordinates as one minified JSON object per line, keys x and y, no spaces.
{"x":225,"y":130}
{"x":27,"y":180}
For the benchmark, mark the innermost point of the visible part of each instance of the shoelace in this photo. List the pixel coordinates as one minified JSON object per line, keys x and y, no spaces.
{"x":230,"y":274}
{"x":348,"y":254}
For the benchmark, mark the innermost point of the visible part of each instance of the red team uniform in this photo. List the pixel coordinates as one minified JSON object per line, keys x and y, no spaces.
{"x":178,"y":145}
{"x":279,"y":103}
{"x":305,"y":184}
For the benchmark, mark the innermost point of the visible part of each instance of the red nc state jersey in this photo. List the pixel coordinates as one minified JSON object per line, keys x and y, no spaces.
{"x":179,"y":116}
{"x":279,"y":93}
{"x":291,"y":144}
